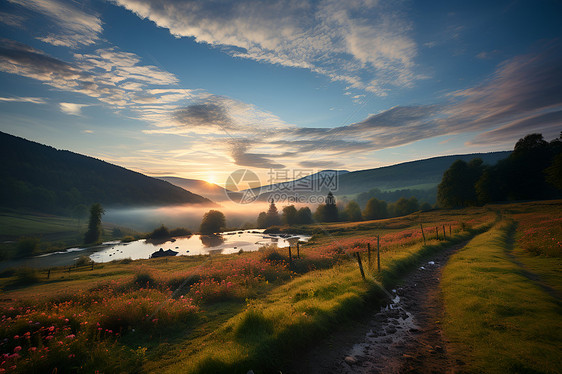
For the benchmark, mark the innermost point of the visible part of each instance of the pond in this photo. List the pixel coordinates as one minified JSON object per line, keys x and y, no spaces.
{"x":194,"y":245}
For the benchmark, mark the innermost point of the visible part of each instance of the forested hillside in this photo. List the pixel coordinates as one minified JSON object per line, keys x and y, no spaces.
{"x":42,"y":178}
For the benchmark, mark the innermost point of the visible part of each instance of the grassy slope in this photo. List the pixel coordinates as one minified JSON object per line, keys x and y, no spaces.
{"x":55,"y":232}
{"x":496,"y":319}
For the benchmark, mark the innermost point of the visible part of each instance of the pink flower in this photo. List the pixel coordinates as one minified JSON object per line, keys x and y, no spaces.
{"x":48,"y":337}
{"x":17,"y":349}
{"x":71,"y":336}
{"x":33,"y":349}
{"x":16,"y":337}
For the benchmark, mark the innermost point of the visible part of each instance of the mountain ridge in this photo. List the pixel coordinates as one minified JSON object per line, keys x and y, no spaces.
{"x":43,"y":178}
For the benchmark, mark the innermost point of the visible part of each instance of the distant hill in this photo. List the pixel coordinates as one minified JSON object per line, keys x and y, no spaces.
{"x":44,"y":179}
{"x":418,"y":178}
{"x":209,"y":190}
{"x":420,"y":174}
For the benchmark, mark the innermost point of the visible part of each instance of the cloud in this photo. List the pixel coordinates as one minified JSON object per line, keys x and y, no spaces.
{"x":242,"y":157}
{"x":549,"y":124}
{"x":109,"y":75}
{"x":206,"y":115}
{"x":363,"y":43}
{"x":321,"y":164}
{"x":11,"y":19}
{"x":72,"y":108}
{"x":34,"y":100}
{"x":76,"y":27}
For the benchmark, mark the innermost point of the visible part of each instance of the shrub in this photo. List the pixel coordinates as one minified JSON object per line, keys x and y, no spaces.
{"x":180,"y":231}
{"x":159,"y":233}
{"x":144,"y":279}
{"x":83,"y":261}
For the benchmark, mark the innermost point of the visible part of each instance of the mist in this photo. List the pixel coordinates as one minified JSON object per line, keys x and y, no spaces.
{"x":146,"y":219}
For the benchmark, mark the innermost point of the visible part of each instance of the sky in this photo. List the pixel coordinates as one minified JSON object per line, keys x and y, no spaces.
{"x":199,"y":89}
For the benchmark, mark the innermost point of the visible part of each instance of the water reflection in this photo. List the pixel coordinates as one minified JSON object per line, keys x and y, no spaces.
{"x":227,"y":243}
{"x":211,"y":240}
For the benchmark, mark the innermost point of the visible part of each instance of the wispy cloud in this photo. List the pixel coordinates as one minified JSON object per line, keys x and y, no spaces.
{"x":75,"y":26}
{"x":72,"y":108}
{"x":363,"y":43}
{"x":10,"y":19}
{"x":110,"y":76}
{"x":34,"y":100}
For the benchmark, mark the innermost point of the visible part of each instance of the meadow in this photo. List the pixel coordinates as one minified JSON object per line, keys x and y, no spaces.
{"x":226,"y":313}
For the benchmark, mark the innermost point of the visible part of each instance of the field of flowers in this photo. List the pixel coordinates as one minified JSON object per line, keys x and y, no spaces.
{"x":541,"y":234}
{"x":120,"y":316}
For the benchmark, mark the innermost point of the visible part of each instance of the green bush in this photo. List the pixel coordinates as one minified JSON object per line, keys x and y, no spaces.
{"x":83,"y":261}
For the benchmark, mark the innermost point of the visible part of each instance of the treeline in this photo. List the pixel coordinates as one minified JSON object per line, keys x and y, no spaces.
{"x":426,"y":195}
{"x":533,"y":171}
{"x":332,"y":212}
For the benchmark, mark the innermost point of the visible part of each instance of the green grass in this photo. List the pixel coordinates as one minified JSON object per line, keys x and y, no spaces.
{"x":53,"y":232}
{"x":497,"y":320}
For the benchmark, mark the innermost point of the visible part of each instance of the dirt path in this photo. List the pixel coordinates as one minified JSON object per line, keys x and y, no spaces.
{"x":403,"y":337}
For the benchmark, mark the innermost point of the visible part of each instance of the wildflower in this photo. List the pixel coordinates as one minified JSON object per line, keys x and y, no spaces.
{"x":71,"y":336}
{"x":17,"y":349}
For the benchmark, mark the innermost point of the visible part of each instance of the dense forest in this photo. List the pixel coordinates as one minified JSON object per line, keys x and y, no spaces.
{"x":44,"y":179}
{"x":533,"y":171}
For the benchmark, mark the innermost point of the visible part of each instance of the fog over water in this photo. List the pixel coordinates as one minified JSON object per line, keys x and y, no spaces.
{"x":189,"y":216}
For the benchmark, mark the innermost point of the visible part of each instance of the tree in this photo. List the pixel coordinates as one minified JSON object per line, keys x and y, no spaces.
{"x":353,"y":211}
{"x":289,"y":216}
{"x":425,"y":206}
{"x":327,"y":212}
{"x":272,"y":216}
{"x":554,"y":172}
{"x":262,"y":220}
{"x":405,"y":206}
{"x":457,"y":186}
{"x":304,"y":216}
{"x":375,"y":209}
{"x":93,"y":235}
{"x":213,"y":221}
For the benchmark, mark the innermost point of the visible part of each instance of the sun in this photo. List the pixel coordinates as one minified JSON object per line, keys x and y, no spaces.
{"x":211,"y":178}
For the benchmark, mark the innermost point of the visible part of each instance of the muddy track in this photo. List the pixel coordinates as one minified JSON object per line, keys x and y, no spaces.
{"x":403,"y":337}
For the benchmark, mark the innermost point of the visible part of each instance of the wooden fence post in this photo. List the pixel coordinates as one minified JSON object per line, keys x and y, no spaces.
{"x":290,"y":257}
{"x":360,"y":265}
{"x":450,"y":231}
{"x":378,"y":254}
{"x":369,"y":253}
{"x":49,"y":274}
{"x":298,"y":251}
{"x":444,"y":236}
{"x":423,"y":235}
{"x":92,"y":265}
{"x":437,"y":232}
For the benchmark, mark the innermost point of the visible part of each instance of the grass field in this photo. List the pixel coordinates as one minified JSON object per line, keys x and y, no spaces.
{"x":215,"y":314}
{"x":53,"y":232}
{"x":503,"y":314}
